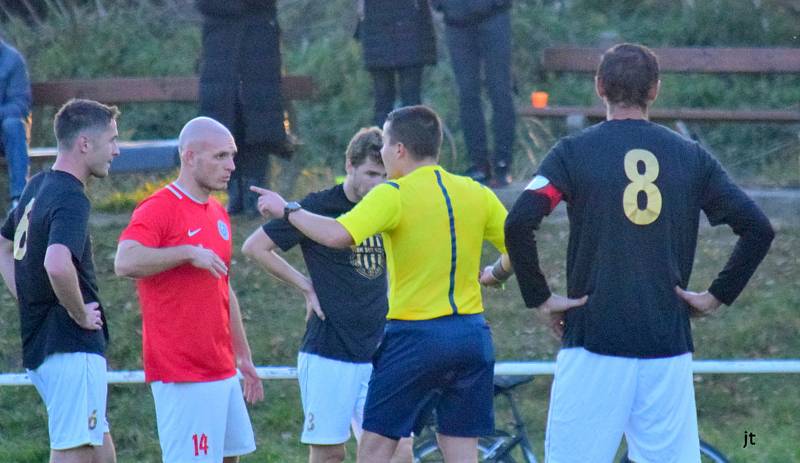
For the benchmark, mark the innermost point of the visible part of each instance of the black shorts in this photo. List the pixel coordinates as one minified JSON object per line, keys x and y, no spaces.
{"x":446,"y":364}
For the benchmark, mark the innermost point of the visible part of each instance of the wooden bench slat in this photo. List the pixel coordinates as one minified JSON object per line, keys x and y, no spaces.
{"x":134,"y":156}
{"x":146,"y":89}
{"x":700,"y":59}
{"x":598,"y":112}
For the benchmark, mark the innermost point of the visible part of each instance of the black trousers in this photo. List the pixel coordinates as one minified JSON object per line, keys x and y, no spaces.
{"x":409,"y":81}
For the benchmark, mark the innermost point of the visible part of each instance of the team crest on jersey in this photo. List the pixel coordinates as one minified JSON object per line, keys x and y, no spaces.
{"x":222,"y":227}
{"x":538,"y":182}
{"x":368,"y":258}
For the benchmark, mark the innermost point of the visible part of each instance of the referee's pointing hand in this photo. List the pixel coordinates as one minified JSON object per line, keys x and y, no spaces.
{"x":270,"y":204}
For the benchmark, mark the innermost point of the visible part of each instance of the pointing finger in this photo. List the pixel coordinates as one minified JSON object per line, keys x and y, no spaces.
{"x":580,"y":302}
{"x":259,"y":190}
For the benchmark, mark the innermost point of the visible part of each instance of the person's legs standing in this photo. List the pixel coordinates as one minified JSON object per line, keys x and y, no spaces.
{"x":466,"y":61}
{"x":107,"y":453}
{"x":663,"y":422}
{"x":495,"y":42}
{"x":239,"y":438}
{"x":383,"y":87}
{"x":15,"y":147}
{"x":466,"y":406}
{"x":252,"y":168}
{"x":191,"y":420}
{"x":590,"y":403}
{"x":327,"y":422}
{"x":74,"y":389}
{"x":410,"y":83}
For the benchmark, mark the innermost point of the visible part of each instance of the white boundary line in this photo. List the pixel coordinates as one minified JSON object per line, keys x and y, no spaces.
{"x":501,"y":368}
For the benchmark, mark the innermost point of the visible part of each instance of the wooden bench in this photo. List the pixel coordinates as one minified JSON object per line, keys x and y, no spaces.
{"x":682,"y":60}
{"x":142,"y":156}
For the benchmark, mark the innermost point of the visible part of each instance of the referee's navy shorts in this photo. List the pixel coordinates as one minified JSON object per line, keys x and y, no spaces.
{"x":446,"y":364}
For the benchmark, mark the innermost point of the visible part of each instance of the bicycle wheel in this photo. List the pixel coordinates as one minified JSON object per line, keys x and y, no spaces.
{"x":428,"y":450}
{"x":708,"y":454}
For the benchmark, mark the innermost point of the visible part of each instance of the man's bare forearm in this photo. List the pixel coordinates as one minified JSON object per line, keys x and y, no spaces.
{"x":63,"y":278}
{"x":7,"y":265}
{"x":278,"y":267}
{"x":238,"y":335}
{"x":324,"y":230}
{"x":135,"y":260}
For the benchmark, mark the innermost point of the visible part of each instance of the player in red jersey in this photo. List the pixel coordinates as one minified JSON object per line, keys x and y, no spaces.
{"x":178,"y":248}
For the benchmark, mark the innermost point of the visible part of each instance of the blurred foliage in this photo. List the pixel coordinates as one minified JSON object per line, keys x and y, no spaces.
{"x":96,"y":38}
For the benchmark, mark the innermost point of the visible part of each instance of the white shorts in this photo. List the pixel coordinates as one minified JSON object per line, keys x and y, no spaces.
{"x":202,"y":421}
{"x":333,"y":395}
{"x":596,"y":399}
{"x":74,"y":389}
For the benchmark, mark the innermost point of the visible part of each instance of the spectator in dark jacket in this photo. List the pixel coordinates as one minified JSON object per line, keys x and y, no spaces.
{"x":398,"y":41}
{"x":15,"y":107}
{"x":240,"y":86}
{"x":479,"y":39}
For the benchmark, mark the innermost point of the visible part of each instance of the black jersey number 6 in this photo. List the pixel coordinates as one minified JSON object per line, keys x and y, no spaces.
{"x":21,"y":234}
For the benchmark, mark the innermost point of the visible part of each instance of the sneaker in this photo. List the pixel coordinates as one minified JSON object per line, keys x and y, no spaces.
{"x":478,"y":174}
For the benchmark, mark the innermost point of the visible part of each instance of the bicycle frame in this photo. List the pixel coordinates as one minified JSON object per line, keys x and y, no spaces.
{"x":520,"y":436}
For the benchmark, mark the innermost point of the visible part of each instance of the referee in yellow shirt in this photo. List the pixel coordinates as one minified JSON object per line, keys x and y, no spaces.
{"x":437,"y":350}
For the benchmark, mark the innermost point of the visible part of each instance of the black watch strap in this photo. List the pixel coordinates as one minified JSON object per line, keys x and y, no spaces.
{"x":292,"y":206}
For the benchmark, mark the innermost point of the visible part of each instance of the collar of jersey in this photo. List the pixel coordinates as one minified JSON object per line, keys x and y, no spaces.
{"x":179,"y":188}
{"x":423,"y":169}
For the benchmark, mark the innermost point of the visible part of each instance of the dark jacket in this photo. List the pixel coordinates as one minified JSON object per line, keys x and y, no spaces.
{"x":15,"y":87}
{"x":240,"y":70}
{"x":397,"y":33}
{"x":461,"y":13}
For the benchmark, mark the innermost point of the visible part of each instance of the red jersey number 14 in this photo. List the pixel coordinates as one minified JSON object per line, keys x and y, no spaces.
{"x":200,"y":444}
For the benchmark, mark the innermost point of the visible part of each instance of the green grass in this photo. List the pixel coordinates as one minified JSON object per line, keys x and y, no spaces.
{"x":763,"y":323}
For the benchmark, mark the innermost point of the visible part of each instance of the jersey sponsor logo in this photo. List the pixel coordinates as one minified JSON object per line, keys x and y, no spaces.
{"x":368,"y":257}
{"x":191,"y":232}
{"x":537,"y":183}
{"x":222,"y":227}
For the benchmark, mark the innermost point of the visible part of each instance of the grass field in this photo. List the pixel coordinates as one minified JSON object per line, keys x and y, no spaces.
{"x":763,"y":323}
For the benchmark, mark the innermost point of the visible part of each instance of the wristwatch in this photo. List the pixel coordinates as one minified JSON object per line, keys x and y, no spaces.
{"x":292,"y":206}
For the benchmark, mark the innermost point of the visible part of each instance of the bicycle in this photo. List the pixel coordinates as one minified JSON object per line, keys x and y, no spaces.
{"x":495,"y":448}
{"x":499,"y":446}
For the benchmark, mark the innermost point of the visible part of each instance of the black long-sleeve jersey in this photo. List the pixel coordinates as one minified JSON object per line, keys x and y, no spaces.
{"x":634,"y":191}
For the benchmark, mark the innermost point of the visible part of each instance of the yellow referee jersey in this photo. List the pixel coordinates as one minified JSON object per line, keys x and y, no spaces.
{"x":433,"y":225}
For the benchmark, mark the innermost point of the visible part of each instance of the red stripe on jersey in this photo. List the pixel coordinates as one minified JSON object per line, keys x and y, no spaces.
{"x":551,"y":193}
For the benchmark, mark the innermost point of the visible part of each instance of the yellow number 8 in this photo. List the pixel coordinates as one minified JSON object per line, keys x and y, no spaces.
{"x":641,"y":182}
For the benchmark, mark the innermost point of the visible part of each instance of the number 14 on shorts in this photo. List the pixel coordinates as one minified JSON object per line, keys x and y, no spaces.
{"x":200,"y":444}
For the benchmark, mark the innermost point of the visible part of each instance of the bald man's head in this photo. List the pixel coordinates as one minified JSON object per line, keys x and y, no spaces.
{"x":199,"y":132}
{"x":207,"y":150}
